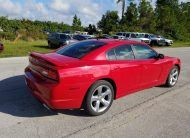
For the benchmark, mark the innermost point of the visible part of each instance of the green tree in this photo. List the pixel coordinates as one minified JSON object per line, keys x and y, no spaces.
{"x":146,"y":16}
{"x":130,"y":20}
{"x":109,"y":22}
{"x":91,"y":29}
{"x":166,"y":14}
{"x":76,"y":23}
{"x":184,"y":20}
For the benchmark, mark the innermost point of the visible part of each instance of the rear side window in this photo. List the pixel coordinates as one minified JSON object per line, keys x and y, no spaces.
{"x":121,"y":53}
{"x":143,"y":52}
{"x":78,"y":50}
{"x":124,"y":52}
{"x":111,"y":55}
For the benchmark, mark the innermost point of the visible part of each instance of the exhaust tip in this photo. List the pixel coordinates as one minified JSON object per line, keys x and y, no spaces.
{"x":46,"y":107}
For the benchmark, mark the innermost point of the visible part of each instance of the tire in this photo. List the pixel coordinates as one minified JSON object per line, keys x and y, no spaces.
{"x":172,"y":77}
{"x":99,"y":98}
{"x":152,"y":43}
{"x":166,"y":44}
{"x":49,"y":45}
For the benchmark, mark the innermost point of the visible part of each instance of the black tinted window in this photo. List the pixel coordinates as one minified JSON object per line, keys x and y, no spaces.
{"x":133,"y":36}
{"x":146,"y":36}
{"x":75,"y":37}
{"x":115,"y":37}
{"x":119,"y":34}
{"x":124,"y":52}
{"x":78,"y":50}
{"x":62,"y":36}
{"x":127,"y":35}
{"x":144,"y":52}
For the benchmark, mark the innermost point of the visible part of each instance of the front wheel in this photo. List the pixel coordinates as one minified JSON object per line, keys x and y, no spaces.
{"x":172,"y":77}
{"x":99,"y":98}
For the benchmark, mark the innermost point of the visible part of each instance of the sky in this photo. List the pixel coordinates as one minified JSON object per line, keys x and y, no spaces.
{"x":89,"y":11}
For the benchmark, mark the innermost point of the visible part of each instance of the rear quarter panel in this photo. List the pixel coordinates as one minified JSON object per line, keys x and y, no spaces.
{"x":76,"y":79}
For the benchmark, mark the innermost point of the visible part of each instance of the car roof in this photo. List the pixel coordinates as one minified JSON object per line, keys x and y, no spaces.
{"x":109,"y":43}
{"x":115,"y":41}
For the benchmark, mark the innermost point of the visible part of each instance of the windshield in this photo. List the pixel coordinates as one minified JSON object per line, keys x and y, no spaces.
{"x":153,"y":36}
{"x":78,"y":50}
{"x":63,"y":36}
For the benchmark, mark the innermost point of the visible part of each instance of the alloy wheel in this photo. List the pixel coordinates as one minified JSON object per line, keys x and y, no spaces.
{"x":174,"y":76}
{"x":101,"y":98}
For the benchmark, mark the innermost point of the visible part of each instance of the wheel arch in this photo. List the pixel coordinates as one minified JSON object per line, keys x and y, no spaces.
{"x":111,"y":81}
{"x":177,"y":65}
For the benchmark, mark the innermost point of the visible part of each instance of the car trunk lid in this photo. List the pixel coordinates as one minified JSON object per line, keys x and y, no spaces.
{"x":47,"y":64}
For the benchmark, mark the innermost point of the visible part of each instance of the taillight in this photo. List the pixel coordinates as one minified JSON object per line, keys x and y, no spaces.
{"x":43,"y":69}
{"x":51,"y":74}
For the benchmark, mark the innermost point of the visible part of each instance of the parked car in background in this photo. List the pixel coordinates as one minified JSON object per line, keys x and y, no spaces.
{"x":119,"y":37}
{"x":135,"y":37}
{"x":122,"y":33}
{"x":105,"y":36}
{"x":91,"y":74}
{"x":143,"y":39}
{"x":154,"y":39}
{"x":59,"y":39}
{"x":82,"y":37}
{"x":168,"y":42}
{"x":1,"y":47}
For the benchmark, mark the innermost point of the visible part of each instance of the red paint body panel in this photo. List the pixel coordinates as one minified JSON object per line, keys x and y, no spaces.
{"x":77,"y":75}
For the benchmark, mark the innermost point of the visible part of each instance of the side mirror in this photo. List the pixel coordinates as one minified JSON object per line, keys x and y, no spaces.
{"x":160,"y":56}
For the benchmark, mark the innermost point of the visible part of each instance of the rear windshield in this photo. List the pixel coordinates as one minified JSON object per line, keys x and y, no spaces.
{"x":80,"y":49}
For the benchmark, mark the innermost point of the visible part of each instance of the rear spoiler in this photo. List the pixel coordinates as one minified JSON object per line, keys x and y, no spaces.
{"x":43,"y":58}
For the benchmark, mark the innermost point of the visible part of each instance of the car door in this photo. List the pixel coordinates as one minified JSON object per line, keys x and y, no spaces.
{"x":124,"y":69}
{"x":151,"y":67}
{"x":134,"y":38}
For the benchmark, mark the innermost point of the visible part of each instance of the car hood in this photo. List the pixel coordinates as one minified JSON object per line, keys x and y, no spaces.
{"x":168,"y":40}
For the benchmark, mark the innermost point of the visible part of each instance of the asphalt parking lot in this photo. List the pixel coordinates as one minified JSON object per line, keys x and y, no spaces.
{"x":157,"y":112}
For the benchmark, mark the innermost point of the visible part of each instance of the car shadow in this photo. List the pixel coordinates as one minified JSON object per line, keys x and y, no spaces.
{"x":17,"y":100}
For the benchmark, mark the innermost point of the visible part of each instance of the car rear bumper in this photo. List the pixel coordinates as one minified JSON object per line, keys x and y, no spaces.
{"x":45,"y":92}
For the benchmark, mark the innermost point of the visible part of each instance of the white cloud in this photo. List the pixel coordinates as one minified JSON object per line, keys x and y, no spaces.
{"x":59,"y":5}
{"x":7,"y":7}
{"x":87,"y":10}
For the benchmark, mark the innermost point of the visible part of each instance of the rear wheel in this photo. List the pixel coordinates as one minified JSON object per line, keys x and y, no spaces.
{"x":99,"y":98}
{"x":172,"y":77}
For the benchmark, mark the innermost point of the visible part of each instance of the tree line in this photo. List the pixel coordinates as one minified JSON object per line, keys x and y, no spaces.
{"x":168,"y":17}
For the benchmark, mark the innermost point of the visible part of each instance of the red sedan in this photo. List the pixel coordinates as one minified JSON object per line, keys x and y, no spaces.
{"x":1,"y":46}
{"x":90,"y":74}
